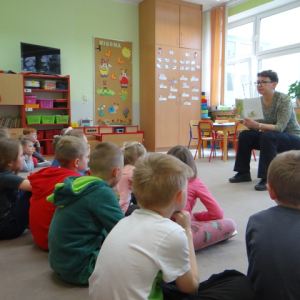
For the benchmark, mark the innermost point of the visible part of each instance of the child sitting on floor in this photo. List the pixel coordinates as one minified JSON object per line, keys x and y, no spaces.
{"x":28,"y":149}
{"x":72,"y":155}
{"x":155,"y":243}
{"x":132,"y":152}
{"x":31,"y":133}
{"x":273,"y":236}
{"x":87,"y":209}
{"x":208,"y":227}
{"x":14,"y":190}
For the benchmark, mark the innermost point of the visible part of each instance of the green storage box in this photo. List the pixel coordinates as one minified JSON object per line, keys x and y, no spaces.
{"x":48,"y":119}
{"x":62,"y":119}
{"x":33,"y":119}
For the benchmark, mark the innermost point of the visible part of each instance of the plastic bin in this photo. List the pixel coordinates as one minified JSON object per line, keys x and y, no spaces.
{"x":49,"y":147}
{"x":60,"y":103}
{"x":48,"y":119}
{"x":62,"y":119}
{"x":33,"y":119}
{"x":46,"y":103}
{"x":40,"y":134}
{"x":49,"y":134}
{"x":30,"y":99}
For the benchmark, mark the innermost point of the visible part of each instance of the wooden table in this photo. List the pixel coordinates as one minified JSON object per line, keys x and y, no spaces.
{"x":225,"y":127}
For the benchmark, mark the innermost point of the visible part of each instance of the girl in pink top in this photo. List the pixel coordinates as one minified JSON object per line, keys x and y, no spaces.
{"x":132,"y":152}
{"x":208,"y":227}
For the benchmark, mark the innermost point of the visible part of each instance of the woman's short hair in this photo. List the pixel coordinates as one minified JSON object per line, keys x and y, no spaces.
{"x":269,"y":73}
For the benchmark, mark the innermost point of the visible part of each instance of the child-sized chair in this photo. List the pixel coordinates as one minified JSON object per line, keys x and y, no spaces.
{"x":193,"y":131}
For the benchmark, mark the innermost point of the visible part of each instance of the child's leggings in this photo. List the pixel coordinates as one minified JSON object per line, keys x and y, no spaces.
{"x":206,"y":233}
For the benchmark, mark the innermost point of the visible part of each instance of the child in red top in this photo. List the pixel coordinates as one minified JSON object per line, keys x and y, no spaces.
{"x":208,"y":227}
{"x":72,"y":155}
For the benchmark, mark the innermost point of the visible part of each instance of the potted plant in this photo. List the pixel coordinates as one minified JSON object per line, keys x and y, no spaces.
{"x":294,"y":91}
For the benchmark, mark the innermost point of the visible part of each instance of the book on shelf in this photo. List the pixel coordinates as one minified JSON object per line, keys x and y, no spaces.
{"x":250,"y":108}
{"x":10,"y":122}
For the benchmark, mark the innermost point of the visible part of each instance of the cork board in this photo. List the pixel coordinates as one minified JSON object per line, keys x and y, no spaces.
{"x":113,"y":82}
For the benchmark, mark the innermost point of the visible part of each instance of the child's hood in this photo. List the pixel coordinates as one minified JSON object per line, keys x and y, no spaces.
{"x":74,"y":188}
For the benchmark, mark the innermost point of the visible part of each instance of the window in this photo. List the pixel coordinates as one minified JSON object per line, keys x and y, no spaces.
{"x":277,"y":49}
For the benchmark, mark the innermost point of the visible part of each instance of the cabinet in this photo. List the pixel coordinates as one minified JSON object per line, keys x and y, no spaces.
{"x":178,"y":25}
{"x":170,"y":74}
{"x":11,"y":91}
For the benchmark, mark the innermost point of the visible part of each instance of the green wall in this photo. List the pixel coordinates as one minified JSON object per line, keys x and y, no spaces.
{"x":69,"y":25}
{"x":246,"y":6}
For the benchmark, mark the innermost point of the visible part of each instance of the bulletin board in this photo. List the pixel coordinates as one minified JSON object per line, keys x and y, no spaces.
{"x":113,"y":82}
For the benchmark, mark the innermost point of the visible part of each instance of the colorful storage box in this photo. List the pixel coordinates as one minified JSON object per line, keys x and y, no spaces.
{"x":62,"y":119}
{"x":60,"y":103}
{"x":48,"y":85}
{"x":40,"y":134}
{"x":33,"y":119}
{"x":48,"y":119}
{"x":32,"y":105}
{"x":33,"y":84}
{"x":30,"y":99}
{"x":46,"y":103}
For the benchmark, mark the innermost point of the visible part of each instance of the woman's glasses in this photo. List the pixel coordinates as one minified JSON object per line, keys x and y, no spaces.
{"x":262,"y":83}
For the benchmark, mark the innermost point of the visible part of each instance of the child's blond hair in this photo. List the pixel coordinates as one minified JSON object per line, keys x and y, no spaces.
{"x":69,"y":148}
{"x":104,"y":158}
{"x":284,"y":177}
{"x":157,"y":178}
{"x":72,"y":132}
{"x":25,"y":141}
{"x":29,"y":130}
{"x":132,"y":152}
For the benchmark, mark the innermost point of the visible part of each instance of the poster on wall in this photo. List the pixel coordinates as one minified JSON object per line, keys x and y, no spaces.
{"x":113,"y":82}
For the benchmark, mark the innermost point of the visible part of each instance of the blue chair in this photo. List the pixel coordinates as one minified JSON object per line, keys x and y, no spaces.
{"x":193,"y":131}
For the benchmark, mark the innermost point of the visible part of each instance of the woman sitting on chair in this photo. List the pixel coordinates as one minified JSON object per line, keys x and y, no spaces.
{"x":278,"y":132}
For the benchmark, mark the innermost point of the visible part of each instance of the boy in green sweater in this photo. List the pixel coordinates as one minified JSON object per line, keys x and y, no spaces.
{"x":87,"y":209}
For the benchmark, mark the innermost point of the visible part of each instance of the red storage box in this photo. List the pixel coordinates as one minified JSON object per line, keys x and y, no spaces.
{"x":46,"y":103}
{"x":49,"y":134}
{"x":49,"y":147}
{"x":40,"y":134}
{"x":30,"y":99}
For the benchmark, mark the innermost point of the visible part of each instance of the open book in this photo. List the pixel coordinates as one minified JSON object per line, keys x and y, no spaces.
{"x":250,"y":108}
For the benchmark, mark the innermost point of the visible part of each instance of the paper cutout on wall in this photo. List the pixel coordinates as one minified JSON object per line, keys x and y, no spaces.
{"x":101,"y":110}
{"x":174,"y":61}
{"x":198,"y":67}
{"x":159,"y":59}
{"x":159,"y":50}
{"x":187,"y":102}
{"x":108,"y":54}
{"x":162,"y":77}
{"x":182,"y":61}
{"x":104,"y":91}
{"x":173,"y":80}
{"x":194,"y":79}
{"x":183,"y":78}
{"x":126,"y":52}
{"x":112,"y":76}
{"x":187,"y":68}
{"x":167,"y":60}
{"x":195,"y":98}
{"x":120,"y":62}
{"x":113,"y":109}
{"x":124,"y":78}
{"x":187,"y":54}
{"x":187,"y":62}
{"x":195,"y":54}
{"x":99,"y":48}
{"x":181,"y":68}
{"x":193,"y":62}
{"x":185,"y":86}
{"x":185,"y":95}
{"x":161,"y":98}
{"x":171,"y":52}
{"x":123,"y":95}
{"x":126,"y":112}
{"x":171,"y":96}
{"x":172,"y":89}
{"x":167,"y":67}
{"x":104,"y":67}
{"x":158,"y":66}
{"x":174,"y":67}
{"x":195,"y":89}
{"x":193,"y":69}
{"x":162,"y":86}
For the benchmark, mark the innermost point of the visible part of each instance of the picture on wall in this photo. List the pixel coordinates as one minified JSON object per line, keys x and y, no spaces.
{"x":113,"y":82}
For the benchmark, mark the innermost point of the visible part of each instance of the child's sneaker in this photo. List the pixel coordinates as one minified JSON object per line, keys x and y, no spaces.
{"x":45,"y":163}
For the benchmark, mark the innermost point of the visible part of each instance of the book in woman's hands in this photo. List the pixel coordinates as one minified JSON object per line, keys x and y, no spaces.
{"x":250,"y":108}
